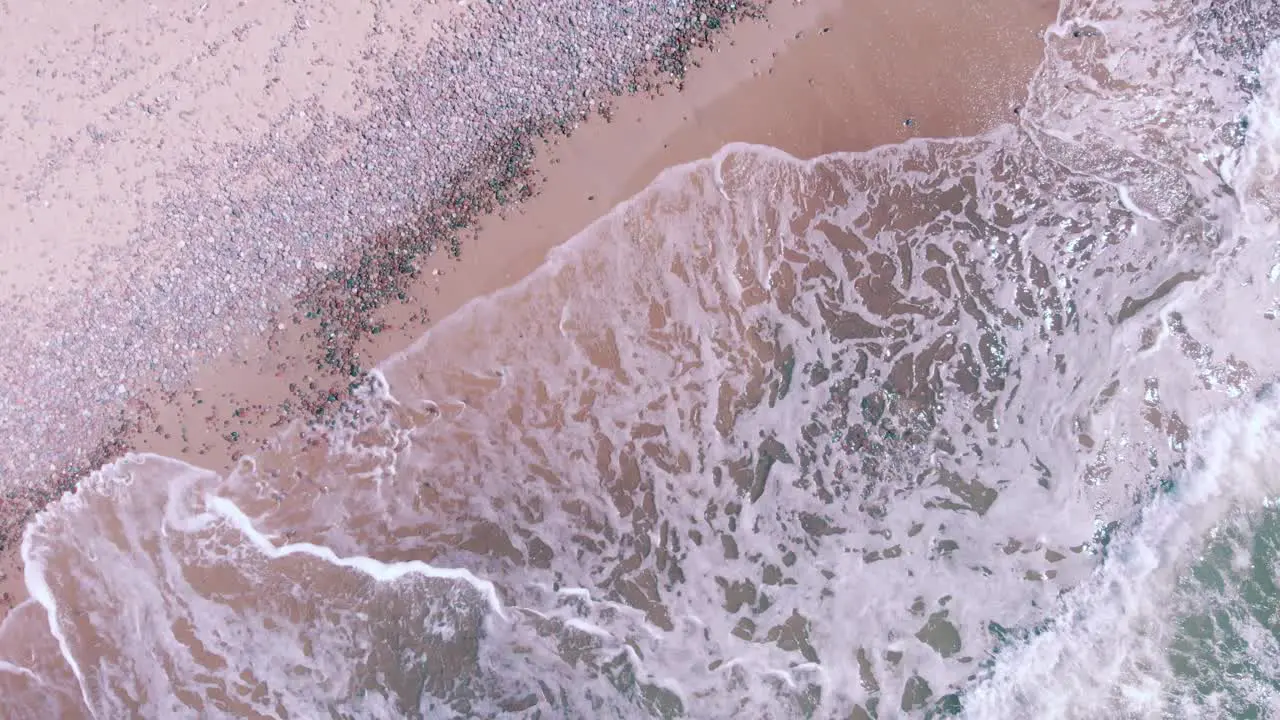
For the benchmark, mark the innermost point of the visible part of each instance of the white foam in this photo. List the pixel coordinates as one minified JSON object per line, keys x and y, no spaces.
{"x":1104,"y":652}
{"x":589,"y":628}
{"x":379,"y":571}
{"x":568,"y":450}
{"x":8,"y":667}
{"x":38,"y":588}
{"x":1256,"y":175}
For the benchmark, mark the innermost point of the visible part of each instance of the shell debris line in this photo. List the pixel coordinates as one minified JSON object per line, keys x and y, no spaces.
{"x":316,"y":224}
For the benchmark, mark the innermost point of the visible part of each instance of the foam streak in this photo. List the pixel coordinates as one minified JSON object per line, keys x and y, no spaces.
{"x":39,"y":590}
{"x":8,"y":667}
{"x":376,"y":569}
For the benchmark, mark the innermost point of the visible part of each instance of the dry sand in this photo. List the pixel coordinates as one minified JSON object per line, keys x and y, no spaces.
{"x":817,"y":77}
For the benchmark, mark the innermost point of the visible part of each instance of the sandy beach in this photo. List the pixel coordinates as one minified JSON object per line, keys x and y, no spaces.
{"x":810,"y":78}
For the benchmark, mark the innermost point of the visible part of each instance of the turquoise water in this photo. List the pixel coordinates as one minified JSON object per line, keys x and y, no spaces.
{"x":1227,"y":638}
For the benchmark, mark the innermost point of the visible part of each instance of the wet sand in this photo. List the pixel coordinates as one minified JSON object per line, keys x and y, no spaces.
{"x":816,"y":77}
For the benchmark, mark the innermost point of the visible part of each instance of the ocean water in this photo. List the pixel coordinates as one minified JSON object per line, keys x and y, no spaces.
{"x":982,"y":427}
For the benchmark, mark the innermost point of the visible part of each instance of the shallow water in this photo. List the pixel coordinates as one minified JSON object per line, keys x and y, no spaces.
{"x":968,"y":427}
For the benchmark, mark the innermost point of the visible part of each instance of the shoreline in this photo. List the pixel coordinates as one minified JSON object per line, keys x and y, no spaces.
{"x":739,"y":93}
{"x":264,"y":213}
{"x":466,"y":194}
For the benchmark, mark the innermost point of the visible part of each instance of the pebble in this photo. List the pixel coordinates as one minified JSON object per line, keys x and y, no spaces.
{"x":235,"y":250}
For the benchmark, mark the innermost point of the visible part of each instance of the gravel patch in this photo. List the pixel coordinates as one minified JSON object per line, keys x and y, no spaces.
{"x":326,"y":229}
